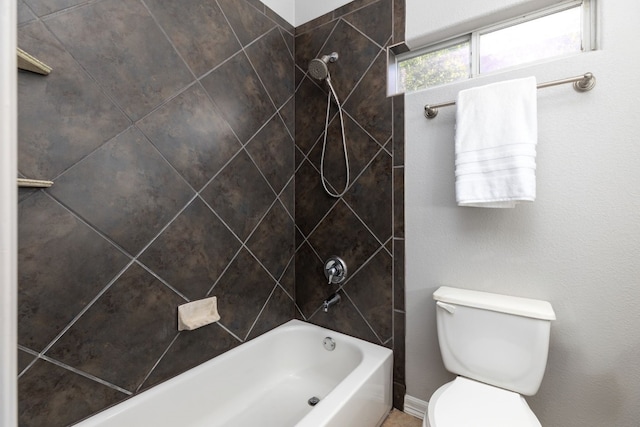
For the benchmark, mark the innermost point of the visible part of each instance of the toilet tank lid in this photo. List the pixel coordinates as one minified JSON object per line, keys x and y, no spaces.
{"x":526,"y":307}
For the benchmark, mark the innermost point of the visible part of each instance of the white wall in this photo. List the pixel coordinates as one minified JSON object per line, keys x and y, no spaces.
{"x":297,"y":12}
{"x":430,"y":21}
{"x":577,"y":245}
{"x":285,"y":8}
{"x":8,"y":212}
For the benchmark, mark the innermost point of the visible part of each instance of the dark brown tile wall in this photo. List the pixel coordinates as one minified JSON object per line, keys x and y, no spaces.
{"x":181,"y":139}
{"x":366,"y":226}
{"x":168,"y":130}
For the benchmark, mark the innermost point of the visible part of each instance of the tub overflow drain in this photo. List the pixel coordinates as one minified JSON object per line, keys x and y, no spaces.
{"x":329,"y":344}
{"x":313,"y":401}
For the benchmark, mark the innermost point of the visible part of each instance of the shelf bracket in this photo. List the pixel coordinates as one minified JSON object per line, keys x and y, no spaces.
{"x":34,"y":183}
{"x":31,"y":63}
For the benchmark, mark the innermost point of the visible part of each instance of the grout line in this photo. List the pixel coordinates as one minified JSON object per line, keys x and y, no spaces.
{"x":273,"y":190}
{"x":344,"y":291}
{"x":393,"y":282}
{"x":166,"y":36}
{"x":348,"y":280}
{"x":300,"y":311}
{"x":78,"y":217}
{"x":85,"y":374}
{"x":287,"y":45}
{"x":243,"y":48}
{"x":86,"y":308}
{"x":291,"y":98}
{"x":365,"y":224}
{"x":216,"y":107}
{"x":359,"y":8}
{"x":73,"y":166}
{"x":229,"y":331}
{"x":306,"y":237}
{"x":264,"y":306}
{"x":335,"y":26}
{"x":146,"y":377}
{"x":30,"y":364}
{"x":224,"y":271}
{"x":100,"y":87}
{"x":364,"y":34}
{"x":385,"y":145}
{"x":364,"y":263}
{"x":66,"y":10}
{"x":161,"y":280}
{"x":197,"y":195}
{"x":223,"y":167}
{"x":164,"y":103}
{"x":364,"y":74}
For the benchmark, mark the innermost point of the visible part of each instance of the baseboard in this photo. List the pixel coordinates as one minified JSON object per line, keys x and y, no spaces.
{"x":414,"y":406}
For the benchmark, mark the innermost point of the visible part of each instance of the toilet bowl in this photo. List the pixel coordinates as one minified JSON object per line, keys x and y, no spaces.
{"x":497,"y":345}
{"x":467,"y":403}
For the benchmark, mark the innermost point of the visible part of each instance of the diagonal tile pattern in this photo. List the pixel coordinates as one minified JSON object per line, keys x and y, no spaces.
{"x":123,"y":186}
{"x":369,"y":104}
{"x":246,"y":286}
{"x":272,"y":151}
{"x":190,"y":349}
{"x":191,"y":134}
{"x":193,"y":251}
{"x":137,"y":303}
{"x":274,"y":64}
{"x":63,"y":117}
{"x":80,"y":263}
{"x":187,"y":164}
{"x":188,"y":25}
{"x":247,"y":21}
{"x":142,"y":125}
{"x":105,"y":37}
{"x":246,"y":113}
{"x":50,"y":389}
{"x":356,"y":53}
{"x":365,"y":227}
{"x":273,"y":249}
{"x":240,"y":195}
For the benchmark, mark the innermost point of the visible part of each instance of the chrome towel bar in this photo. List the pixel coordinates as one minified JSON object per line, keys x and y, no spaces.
{"x":581,"y":83}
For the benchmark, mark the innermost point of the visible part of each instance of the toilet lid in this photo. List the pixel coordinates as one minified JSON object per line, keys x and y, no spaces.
{"x":468,"y":403}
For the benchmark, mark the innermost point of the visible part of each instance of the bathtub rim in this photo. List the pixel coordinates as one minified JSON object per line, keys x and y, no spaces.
{"x":374,"y":358}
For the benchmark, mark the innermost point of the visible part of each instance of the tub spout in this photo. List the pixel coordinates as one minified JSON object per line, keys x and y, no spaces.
{"x":332,"y":300}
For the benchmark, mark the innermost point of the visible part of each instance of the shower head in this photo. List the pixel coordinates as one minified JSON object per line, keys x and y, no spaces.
{"x":318,"y":67}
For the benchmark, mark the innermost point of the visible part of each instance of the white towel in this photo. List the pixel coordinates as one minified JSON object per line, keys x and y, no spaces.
{"x":496,"y":136}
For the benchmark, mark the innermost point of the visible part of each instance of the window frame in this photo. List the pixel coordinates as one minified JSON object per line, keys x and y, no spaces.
{"x":399,"y":53}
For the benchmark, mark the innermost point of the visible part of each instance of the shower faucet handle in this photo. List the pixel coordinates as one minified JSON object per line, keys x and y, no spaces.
{"x":335,"y":270}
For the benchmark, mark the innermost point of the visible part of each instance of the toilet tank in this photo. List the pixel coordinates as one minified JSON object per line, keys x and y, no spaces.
{"x":495,"y":339}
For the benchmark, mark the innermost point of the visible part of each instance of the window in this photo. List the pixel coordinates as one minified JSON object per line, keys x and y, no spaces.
{"x":554,"y":32}
{"x":439,"y":65}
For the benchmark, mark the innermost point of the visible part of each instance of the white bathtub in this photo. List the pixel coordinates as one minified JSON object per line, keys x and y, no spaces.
{"x":267,"y":382}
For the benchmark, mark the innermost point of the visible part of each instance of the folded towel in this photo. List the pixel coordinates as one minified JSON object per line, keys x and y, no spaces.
{"x":496,"y":136}
{"x":195,"y":314}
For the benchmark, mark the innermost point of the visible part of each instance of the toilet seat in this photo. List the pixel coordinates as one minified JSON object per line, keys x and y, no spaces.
{"x":468,"y":403}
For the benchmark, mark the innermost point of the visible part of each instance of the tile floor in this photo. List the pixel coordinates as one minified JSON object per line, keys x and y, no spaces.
{"x":400,"y":419}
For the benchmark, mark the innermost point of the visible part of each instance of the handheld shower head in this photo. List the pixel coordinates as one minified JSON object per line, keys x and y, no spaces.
{"x":318,"y":67}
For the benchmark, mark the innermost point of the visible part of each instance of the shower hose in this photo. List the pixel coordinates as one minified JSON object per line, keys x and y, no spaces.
{"x":324,"y":144}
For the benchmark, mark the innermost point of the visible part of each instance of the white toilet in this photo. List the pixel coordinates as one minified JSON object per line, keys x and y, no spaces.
{"x":498,"y":346}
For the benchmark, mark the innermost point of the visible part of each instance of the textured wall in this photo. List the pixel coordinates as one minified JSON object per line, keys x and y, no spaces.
{"x":168,"y":130}
{"x":576,"y":246}
{"x":362,"y":227}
